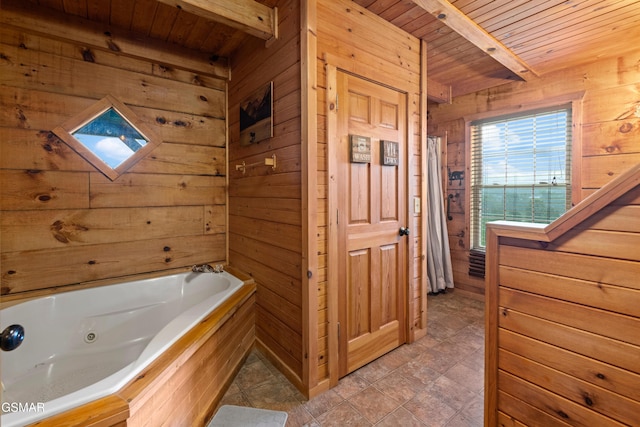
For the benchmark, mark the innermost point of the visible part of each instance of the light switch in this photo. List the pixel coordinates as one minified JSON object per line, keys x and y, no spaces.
{"x":416,"y":205}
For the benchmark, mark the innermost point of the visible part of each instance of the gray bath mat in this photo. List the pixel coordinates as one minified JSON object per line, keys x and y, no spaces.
{"x":241,"y":416}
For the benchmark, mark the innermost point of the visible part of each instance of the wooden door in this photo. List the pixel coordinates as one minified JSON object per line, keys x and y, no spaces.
{"x":371,"y":210}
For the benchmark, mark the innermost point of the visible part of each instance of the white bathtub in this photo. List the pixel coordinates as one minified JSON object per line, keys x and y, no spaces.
{"x":83,"y":345}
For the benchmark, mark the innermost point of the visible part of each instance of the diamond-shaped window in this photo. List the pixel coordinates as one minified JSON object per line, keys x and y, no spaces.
{"x":108,"y":135}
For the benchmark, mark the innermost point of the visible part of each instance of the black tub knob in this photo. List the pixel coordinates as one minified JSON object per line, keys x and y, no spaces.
{"x":11,"y":337}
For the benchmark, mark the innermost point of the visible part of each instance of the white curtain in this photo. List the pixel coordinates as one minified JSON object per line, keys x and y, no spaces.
{"x":439,"y":270}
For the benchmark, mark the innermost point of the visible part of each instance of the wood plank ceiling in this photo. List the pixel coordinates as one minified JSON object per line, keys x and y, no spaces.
{"x":472,"y":44}
{"x":546,"y":35}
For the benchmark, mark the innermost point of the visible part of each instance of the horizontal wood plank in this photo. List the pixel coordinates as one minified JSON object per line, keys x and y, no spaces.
{"x":552,"y":404}
{"x":286,"y":211}
{"x":604,"y":300}
{"x":599,"y":170}
{"x":93,"y":262}
{"x":615,"y":137}
{"x":591,"y":268}
{"x":34,"y":230}
{"x":285,"y":185}
{"x":42,"y":71}
{"x":281,"y":235}
{"x":39,"y":150}
{"x":104,"y":56}
{"x":108,"y":37}
{"x":281,"y":309}
{"x":615,"y":218}
{"x":183,"y":159}
{"x":283,"y":260}
{"x":36,"y":189}
{"x":611,"y":244}
{"x":587,"y":369}
{"x":287,"y":287}
{"x":620,"y":354}
{"x":287,"y":343}
{"x":137,"y":190}
{"x":619,"y":408}
{"x":512,"y":409}
{"x":40,"y":110}
{"x":112,"y":410}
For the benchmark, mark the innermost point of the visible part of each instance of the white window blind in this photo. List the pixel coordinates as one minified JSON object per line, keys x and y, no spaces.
{"x":520,"y":169}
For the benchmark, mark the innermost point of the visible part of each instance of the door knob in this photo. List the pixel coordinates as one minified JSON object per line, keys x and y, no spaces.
{"x":404,"y":231}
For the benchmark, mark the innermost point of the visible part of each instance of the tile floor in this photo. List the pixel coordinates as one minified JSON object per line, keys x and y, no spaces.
{"x":436,"y":381}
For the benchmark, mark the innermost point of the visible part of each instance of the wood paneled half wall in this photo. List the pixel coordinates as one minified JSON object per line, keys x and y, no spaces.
{"x":563,"y":314}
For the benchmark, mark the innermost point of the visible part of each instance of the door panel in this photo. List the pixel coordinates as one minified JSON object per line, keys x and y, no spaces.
{"x":389,"y":189}
{"x":389,"y":283}
{"x":359,"y":285}
{"x":372,"y":208}
{"x":359,"y":203}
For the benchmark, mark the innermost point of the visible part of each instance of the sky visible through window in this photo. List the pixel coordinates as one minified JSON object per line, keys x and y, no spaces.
{"x":523,"y":170}
{"x":526,"y":151}
{"x":110,"y":137}
{"x":110,"y":150}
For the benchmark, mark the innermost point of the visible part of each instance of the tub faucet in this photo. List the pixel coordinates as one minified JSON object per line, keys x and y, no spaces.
{"x":202,"y":268}
{"x":206,"y":268}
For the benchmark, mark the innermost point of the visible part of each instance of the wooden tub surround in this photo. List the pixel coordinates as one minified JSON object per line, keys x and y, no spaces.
{"x":184,"y":385}
{"x":563,"y":315}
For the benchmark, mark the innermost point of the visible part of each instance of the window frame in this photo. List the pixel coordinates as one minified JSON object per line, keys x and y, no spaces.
{"x":66,"y":130}
{"x":575,"y":102}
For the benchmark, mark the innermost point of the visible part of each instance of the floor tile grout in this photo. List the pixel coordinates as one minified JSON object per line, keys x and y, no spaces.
{"x":436,"y":381}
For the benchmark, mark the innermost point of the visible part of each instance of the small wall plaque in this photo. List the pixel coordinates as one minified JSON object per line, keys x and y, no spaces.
{"x":360,"y":149}
{"x":389,"y":153}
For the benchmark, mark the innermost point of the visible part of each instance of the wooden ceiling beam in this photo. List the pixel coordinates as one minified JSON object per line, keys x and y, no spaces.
{"x":246,"y":15}
{"x":467,"y":28}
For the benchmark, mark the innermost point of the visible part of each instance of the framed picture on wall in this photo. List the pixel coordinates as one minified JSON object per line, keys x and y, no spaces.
{"x":256,"y":112}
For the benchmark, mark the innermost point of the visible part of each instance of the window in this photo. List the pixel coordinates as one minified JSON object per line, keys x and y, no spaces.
{"x":109,"y":135}
{"x":520,"y":169}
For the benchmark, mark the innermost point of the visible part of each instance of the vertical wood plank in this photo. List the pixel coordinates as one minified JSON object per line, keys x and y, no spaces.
{"x":424,"y":217}
{"x":309,"y":208}
{"x":492,"y":280}
{"x":332,"y":210}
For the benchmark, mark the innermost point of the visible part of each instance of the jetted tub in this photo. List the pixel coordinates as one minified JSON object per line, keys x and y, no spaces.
{"x":82,"y":345}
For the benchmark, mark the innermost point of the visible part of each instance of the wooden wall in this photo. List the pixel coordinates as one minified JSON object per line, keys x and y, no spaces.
{"x":563,"y":315}
{"x":65,"y":225}
{"x":607,"y":132}
{"x":63,"y":222}
{"x":350,"y":38}
{"x":278,"y":218}
{"x":265,"y":219}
